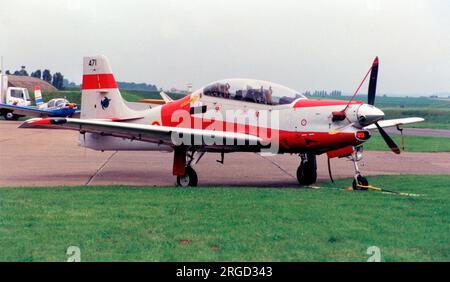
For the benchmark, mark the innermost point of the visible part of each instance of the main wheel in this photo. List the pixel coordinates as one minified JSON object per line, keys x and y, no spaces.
{"x":11,"y":116}
{"x":307,"y":171}
{"x":188,"y":179}
{"x":362,"y":181}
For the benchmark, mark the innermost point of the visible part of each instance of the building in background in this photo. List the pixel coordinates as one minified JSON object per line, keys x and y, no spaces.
{"x":29,"y":83}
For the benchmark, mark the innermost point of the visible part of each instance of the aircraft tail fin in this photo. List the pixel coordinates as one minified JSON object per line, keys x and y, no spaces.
{"x":100,"y":96}
{"x":38,"y":97}
{"x":165,"y":97}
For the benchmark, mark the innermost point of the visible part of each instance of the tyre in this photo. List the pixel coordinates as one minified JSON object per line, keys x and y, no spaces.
{"x":11,"y":116}
{"x":188,"y":179}
{"x":361,"y":181}
{"x":307,"y":173}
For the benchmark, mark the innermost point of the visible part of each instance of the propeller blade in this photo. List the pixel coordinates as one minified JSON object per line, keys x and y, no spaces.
{"x":388,"y":139}
{"x":373,"y":82}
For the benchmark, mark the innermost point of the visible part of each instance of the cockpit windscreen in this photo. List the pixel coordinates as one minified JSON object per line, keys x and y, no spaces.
{"x":254,"y":91}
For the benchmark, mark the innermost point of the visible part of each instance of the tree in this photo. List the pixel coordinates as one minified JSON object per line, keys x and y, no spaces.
{"x":47,"y":76}
{"x":58,"y":81}
{"x":23,"y":71}
{"x":8,"y":72}
{"x":36,"y":74}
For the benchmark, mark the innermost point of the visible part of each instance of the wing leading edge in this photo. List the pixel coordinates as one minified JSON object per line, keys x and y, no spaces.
{"x":394,"y":122}
{"x":171,"y":136}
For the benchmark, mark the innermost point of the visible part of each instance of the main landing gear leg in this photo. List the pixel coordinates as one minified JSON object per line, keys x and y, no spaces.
{"x":358,"y":180}
{"x":307,"y":171}
{"x":186,"y":175}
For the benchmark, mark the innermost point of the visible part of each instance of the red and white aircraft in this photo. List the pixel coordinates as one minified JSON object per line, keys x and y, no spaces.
{"x":232,"y":115}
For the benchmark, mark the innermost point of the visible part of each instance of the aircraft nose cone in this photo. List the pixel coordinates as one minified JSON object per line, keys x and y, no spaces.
{"x":368,"y":114}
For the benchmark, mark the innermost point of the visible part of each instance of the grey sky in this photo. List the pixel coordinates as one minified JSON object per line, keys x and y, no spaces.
{"x":301,"y":44}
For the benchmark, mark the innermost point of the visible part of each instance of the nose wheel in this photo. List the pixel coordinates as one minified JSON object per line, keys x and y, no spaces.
{"x":188,"y":179}
{"x":360,"y":181}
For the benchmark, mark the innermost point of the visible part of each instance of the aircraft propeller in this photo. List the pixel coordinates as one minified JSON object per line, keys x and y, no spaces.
{"x":375,"y":114}
{"x":371,"y":101}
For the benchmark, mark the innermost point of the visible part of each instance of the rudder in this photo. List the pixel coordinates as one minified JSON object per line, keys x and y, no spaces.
{"x":38,"y":97}
{"x":100,"y":96}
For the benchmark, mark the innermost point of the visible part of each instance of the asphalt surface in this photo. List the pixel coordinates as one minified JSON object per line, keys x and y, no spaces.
{"x":36,"y":157}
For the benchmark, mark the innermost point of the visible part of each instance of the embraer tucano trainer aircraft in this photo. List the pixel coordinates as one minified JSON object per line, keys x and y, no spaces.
{"x":58,"y":107}
{"x":232,"y":115}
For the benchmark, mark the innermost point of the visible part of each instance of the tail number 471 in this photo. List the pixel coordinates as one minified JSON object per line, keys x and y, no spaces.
{"x":93,"y":62}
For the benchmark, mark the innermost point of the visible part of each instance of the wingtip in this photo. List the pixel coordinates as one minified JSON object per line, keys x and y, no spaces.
{"x":34,"y":122}
{"x":42,"y":122}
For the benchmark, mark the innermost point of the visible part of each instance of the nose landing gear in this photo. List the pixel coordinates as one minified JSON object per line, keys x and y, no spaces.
{"x":359,"y":181}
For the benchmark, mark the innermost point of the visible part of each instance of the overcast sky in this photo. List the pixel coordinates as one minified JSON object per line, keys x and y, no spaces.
{"x":301,"y":44}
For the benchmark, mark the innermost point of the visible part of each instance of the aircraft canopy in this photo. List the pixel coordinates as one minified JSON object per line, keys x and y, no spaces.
{"x":250,"y":90}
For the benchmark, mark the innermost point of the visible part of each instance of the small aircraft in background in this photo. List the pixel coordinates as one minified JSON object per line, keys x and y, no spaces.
{"x":231,"y":115}
{"x":164,"y":99}
{"x":58,"y":107}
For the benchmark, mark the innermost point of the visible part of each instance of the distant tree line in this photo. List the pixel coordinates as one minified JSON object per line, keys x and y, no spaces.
{"x":57,"y":79}
{"x":323,"y":93}
{"x":137,"y":86}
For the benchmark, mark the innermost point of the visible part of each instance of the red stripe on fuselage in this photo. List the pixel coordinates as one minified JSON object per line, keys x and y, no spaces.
{"x":98,"y":81}
{"x":289,"y":141}
{"x":307,"y":103}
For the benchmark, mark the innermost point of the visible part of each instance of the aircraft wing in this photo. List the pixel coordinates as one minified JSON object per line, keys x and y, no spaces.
{"x":143,"y":132}
{"x":394,"y":122}
{"x":32,"y":111}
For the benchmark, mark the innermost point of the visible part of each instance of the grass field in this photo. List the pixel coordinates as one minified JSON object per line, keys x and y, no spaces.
{"x":228,"y":224}
{"x":438,"y":118}
{"x":412,"y":143}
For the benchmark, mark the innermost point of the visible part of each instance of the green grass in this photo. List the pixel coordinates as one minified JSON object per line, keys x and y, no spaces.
{"x":74,"y":96}
{"x":438,"y":118}
{"x":228,"y":224}
{"x":412,"y":143}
